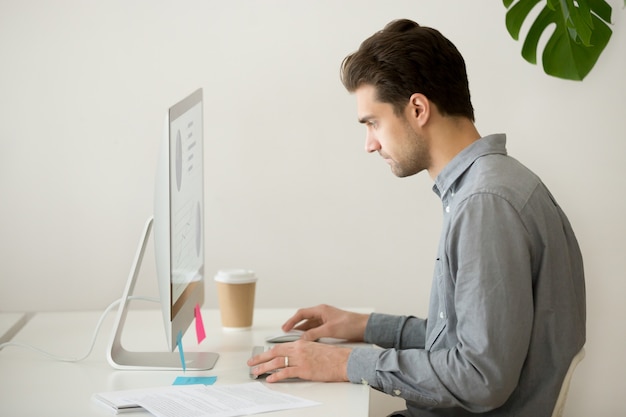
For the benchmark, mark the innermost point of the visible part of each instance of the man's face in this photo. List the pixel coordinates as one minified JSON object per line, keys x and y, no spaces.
{"x":394,"y":137}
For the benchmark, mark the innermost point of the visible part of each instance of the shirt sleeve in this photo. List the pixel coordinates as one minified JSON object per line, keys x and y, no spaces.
{"x":474,"y":359}
{"x":400,"y":332}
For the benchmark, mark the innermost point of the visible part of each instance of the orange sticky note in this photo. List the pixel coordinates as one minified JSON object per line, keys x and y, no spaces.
{"x":200,"y":333}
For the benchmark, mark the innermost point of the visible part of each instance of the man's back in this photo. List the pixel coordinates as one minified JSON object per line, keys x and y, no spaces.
{"x":509,"y":295}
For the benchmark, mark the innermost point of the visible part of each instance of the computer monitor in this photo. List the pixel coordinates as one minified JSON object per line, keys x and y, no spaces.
{"x":178,"y":242}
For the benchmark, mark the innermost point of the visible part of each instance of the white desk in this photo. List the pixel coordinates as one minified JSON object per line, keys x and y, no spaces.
{"x":33,"y":385}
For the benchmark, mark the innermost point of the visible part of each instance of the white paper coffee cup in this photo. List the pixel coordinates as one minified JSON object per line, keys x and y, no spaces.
{"x":235,"y":290}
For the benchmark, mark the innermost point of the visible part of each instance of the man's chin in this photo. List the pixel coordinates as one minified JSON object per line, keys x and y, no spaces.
{"x":400,"y":173}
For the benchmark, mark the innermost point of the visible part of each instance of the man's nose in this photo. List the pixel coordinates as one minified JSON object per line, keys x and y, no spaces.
{"x":371,"y":143}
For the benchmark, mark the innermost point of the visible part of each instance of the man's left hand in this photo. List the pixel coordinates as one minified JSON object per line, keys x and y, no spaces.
{"x":303,"y":359}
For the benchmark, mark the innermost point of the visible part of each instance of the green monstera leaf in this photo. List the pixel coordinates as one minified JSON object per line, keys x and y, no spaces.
{"x":581,"y":31}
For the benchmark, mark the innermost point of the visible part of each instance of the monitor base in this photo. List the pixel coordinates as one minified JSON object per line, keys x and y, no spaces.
{"x":120,"y":358}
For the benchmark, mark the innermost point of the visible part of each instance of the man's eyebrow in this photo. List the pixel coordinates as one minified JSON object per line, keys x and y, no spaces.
{"x":366,"y":119}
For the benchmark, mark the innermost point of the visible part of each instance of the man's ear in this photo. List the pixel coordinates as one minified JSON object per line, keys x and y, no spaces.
{"x":419,"y":109}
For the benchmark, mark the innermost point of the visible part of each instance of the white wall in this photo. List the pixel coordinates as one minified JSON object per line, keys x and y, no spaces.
{"x":289,"y":190}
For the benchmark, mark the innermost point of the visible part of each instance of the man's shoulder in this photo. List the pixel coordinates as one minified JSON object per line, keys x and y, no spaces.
{"x":500,"y":175}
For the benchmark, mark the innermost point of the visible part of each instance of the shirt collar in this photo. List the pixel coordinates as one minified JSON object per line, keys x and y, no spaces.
{"x":492,"y":144}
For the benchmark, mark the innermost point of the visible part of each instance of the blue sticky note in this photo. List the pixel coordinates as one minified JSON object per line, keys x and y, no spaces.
{"x":179,"y":342}
{"x":191,"y":380}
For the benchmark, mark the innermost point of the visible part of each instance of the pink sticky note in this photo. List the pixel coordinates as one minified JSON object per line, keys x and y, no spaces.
{"x":200,"y":333}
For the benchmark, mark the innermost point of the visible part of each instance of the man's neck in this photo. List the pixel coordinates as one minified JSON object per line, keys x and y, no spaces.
{"x":449,"y":137}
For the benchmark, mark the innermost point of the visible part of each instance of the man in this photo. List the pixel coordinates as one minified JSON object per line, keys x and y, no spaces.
{"x":507,"y":312}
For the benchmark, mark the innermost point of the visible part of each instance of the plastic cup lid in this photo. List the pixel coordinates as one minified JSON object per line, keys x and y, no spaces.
{"x":235,"y":276}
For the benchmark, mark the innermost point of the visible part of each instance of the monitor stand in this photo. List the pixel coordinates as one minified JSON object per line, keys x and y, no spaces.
{"x":121,"y":358}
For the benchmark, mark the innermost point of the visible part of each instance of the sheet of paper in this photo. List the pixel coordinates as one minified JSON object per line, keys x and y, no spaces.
{"x":121,"y":401}
{"x":217,"y":401}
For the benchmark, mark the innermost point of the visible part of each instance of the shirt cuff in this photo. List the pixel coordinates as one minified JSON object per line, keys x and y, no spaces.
{"x":384,"y":329}
{"x":362,"y":366}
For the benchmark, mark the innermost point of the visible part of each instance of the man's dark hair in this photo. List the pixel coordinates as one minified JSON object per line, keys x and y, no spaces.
{"x":405,"y":58}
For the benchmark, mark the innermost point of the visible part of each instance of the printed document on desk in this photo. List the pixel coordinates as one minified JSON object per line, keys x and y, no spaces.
{"x":203,"y":401}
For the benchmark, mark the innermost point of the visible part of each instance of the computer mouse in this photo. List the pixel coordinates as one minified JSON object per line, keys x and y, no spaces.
{"x":290,"y":336}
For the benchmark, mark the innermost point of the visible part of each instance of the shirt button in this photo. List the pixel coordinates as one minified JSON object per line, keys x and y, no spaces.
{"x":397,"y":392}
{"x":447,"y":209}
{"x":364,"y":382}
{"x":442,"y":315}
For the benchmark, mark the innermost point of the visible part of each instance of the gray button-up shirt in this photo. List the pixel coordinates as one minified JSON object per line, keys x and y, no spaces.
{"x":507,"y":308}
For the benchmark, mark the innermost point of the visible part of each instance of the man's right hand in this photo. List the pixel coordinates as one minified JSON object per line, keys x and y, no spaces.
{"x":326,"y":321}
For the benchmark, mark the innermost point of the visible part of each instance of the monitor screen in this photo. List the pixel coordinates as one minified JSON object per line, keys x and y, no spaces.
{"x":178,"y":242}
{"x":178,"y":216}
